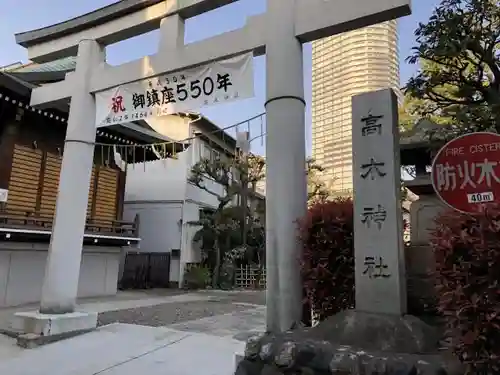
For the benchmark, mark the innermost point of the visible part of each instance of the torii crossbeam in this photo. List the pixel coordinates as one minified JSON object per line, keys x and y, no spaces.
{"x":279,"y":33}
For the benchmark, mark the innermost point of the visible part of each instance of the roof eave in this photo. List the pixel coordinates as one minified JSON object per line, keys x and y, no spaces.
{"x":16,"y":85}
{"x":41,"y":77}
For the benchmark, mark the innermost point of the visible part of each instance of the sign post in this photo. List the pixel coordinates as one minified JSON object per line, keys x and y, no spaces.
{"x":378,"y":225}
{"x":466,"y":172}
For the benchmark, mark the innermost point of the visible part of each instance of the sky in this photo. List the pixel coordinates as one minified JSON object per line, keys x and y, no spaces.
{"x":39,"y":13}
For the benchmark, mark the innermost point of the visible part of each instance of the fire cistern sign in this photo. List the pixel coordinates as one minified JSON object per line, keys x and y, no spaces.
{"x":466,"y":172}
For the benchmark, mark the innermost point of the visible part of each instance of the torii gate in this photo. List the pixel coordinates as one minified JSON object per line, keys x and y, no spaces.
{"x":279,"y":33}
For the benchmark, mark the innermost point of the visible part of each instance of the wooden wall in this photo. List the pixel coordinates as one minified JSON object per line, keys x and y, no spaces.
{"x":34,"y":181}
{"x":24,"y":178}
{"x":36,"y":164}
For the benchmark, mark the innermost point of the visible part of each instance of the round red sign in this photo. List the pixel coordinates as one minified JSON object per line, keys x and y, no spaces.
{"x":466,"y":172}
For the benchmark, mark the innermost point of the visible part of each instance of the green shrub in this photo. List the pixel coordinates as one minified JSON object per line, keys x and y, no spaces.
{"x":197,"y":276}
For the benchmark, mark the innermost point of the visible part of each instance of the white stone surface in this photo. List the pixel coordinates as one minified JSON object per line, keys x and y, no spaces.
{"x":286,"y":185}
{"x":48,"y":324}
{"x":121,"y":349}
{"x":378,"y":241}
{"x":62,"y":271}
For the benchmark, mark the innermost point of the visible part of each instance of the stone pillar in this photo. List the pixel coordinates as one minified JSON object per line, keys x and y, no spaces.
{"x":62,"y":270}
{"x":171,"y":34}
{"x":286,"y":192}
{"x":379,"y":322}
{"x":378,"y":233}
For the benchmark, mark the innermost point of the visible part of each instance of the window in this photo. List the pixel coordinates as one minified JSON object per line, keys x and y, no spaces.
{"x":209,"y":153}
{"x":215,"y":155}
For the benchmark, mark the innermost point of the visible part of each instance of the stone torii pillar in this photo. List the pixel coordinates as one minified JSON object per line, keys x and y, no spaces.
{"x":60,"y":284}
{"x":279,"y":33}
{"x":286,"y":190}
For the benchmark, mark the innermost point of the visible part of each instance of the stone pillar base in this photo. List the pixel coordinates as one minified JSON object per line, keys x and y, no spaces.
{"x":351,"y":342}
{"x":378,"y":332}
{"x":238,"y":357}
{"x":34,"y":329}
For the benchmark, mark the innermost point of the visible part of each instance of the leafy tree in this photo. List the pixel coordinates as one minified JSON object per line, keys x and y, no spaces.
{"x":407,"y":115}
{"x":414,"y":109}
{"x":459,"y":79}
{"x":226,"y":180}
{"x":317,"y":191}
{"x":223,"y":241}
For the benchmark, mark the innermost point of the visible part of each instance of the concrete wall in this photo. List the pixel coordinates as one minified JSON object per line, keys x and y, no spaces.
{"x":22,"y":268}
{"x":161,"y":180}
{"x":160,"y":229}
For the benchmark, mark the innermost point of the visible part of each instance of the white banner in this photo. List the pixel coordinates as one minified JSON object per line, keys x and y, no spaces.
{"x":215,"y":83}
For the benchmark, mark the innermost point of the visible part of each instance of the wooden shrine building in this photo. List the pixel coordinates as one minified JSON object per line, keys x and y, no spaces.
{"x":31,"y":149}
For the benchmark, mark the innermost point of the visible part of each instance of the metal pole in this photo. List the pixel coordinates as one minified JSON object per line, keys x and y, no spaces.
{"x":244,"y":198}
{"x":243,"y":150}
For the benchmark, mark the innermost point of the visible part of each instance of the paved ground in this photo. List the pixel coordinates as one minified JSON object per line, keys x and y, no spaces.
{"x":122,"y":349}
{"x":167,"y":331}
{"x":8,"y":348}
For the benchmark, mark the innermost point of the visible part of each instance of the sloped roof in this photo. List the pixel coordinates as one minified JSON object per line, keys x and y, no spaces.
{"x":38,"y":74}
{"x":426,"y":134}
{"x":14,"y":82}
{"x":64,"y":64}
{"x":16,"y":85}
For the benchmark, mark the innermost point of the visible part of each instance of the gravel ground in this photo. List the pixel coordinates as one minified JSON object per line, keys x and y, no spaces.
{"x":257,"y":298}
{"x":170,"y":313}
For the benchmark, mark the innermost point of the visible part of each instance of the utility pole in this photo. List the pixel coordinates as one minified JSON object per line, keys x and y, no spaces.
{"x":243,"y":145}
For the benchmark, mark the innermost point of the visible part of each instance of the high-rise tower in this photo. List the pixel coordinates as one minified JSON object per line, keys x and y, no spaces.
{"x":342,"y":66}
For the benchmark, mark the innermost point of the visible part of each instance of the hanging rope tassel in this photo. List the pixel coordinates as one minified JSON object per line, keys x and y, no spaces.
{"x":118,"y":159}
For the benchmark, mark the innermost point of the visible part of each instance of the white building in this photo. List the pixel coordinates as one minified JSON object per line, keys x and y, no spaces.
{"x":166,"y":202}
